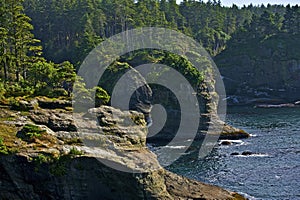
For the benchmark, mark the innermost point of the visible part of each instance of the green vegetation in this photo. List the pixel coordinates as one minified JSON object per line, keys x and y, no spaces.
{"x":213,"y":25}
{"x":84,"y":95}
{"x":138,"y":120}
{"x":7,"y":136}
{"x":75,"y":152}
{"x":58,"y":168}
{"x":3,"y":148}
{"x":28,"y":70}
{"x":30,"y":132}
{"x":43,"y":158}
{"x":25,"y":72}
{"x":57,"y":163}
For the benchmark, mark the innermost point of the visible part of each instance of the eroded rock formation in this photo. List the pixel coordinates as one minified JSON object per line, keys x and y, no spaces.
{"x":57,"y":164}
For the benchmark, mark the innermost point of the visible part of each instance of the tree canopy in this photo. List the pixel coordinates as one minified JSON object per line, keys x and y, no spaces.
{"x":69,"y":29}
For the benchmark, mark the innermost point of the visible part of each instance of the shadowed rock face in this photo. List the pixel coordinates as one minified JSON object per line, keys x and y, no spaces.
{"x":67,"y":174}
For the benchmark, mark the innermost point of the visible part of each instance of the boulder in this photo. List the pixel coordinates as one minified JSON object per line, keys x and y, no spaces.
{"x":226,"y":143}
{"x":47,"y":103}
{"x":124,"y":128}
{"x":247,"y":153}
{"x":232,"y":133}
{"x":56,"y":120}
{"x":23,"y":105}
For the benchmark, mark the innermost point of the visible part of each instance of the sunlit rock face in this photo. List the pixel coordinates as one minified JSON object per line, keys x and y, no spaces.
{"x":105,"y":158}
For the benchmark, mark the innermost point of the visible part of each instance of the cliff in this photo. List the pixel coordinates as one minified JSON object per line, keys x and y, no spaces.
{"x":44,"y":157}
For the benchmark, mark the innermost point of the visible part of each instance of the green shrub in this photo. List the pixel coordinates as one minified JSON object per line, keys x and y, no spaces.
{"x":74,"y":151}
{"x":41,"y":158}
{"x":101,"y":96}
{"x":3,"y":148}
{"x":81,"y":94}
{"x":51,"y":92}
{"x":29,"y":132}
{"x":32,"y":130}
{"x":59,"y":92}
{"x":84,"y":96}
{"x":2,"y":90}
{"x":43,"y":91}
{"x":18,"y":89}
{"x":58,"y":168}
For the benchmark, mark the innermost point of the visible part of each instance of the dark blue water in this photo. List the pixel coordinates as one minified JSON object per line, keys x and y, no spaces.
{"x":273,"y":172}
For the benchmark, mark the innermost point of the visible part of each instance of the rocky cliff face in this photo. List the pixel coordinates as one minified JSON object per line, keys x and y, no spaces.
{"x":266,"y":70}
{"x":44,"y":161}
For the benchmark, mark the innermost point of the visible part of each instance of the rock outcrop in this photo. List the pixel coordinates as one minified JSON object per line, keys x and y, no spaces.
{"x":232,"y":133}
{"x":106,"y":159}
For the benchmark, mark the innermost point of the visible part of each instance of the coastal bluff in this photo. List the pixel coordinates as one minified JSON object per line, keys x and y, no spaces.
{"x":44,"y":157}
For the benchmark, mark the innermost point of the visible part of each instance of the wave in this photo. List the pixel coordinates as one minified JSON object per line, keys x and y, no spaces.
{"x":254,"y":155}
{"x":247,"y":196}
{"x":175,"y":147}
{"x":235,"y":142}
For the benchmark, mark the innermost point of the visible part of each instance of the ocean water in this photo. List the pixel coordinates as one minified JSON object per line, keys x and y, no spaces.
{"x":271,"y":172}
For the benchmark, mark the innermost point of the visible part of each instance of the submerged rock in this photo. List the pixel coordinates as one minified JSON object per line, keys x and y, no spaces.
{"x":247,"y":153}
{"x":226,"y":143}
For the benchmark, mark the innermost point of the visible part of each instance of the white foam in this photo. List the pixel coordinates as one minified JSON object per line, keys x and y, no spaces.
{"x":249,"y":197}
{"x":253,"y":135}
{"x":176,"y":147}
{"x":254,"y":155}
{"x":240,"y":142}
{"x":232,"y":141}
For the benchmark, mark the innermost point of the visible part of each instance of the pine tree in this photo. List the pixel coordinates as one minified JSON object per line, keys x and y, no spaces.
{"x":18,"y":43}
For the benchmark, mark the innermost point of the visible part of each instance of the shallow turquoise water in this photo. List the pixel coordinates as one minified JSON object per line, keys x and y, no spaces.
{"x":273,"y":172}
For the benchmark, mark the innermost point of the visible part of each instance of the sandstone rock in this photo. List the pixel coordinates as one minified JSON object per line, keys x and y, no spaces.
{"x":23,"y":105}
{"x":123,"y":128}
{"x":103,"y":172}
{"x":134,"y":87}
{"x":182,"y":188}
{"x":47,"y":103}
{"x":56,"y":120}
{"x":232,"y":133}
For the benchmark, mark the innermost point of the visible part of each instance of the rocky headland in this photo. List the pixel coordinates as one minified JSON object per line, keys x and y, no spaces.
{"x":45,"y":157}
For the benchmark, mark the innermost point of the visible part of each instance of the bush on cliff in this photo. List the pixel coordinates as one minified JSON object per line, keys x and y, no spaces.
{"x":3,"y":148}
{"x":30,"y":132}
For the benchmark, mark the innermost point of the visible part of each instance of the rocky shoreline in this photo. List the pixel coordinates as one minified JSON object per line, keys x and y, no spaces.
{"x":46,"y":158}
{"x":261,"y":102}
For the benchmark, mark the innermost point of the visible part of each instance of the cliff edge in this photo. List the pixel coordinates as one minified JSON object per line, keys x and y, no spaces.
{"x":44,"y":157}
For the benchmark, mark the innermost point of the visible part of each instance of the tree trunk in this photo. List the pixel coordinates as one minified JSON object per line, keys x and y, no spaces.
{"x":5,"y":66}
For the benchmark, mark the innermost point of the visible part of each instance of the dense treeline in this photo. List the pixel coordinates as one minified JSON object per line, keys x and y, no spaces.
{"x":23,"y":70}
{"x":69,"y":29}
